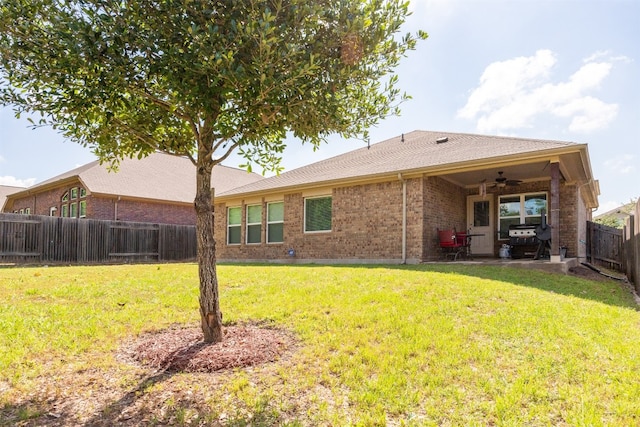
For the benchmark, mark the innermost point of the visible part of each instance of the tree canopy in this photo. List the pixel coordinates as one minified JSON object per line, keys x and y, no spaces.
{"x":131,"y":77}
{"x":203,"y":78}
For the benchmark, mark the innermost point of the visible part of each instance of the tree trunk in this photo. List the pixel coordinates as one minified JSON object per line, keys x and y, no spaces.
{"x":211,"y":318}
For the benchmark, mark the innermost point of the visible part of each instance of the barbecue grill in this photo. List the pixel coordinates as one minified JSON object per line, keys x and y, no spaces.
{"x":530,"y":239}
{"x":523,"y":240}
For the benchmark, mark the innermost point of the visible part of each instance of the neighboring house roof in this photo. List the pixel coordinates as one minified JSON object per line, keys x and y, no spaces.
{"x":159,"y":176}
{"x":5,"y":190}
{"x":464,"y":158}
{"x":621,"y":212}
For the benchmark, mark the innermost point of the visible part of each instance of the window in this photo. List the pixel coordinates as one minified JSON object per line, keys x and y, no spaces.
{"x":27,"y":211}
{"x":74,"y":210}
{"x":83,"y":208}
{"x":83,"y":192}
{"x":520,"y":209}
{"x":317,"y":214}
{"x":65,"y":197}
{"x":275,"y":222}
{"x":74,"y":193}
{"x":254,"y":223}
{"x":52,"y":211}
{"x":65,"y":211}
{"x":21,"y":211}
{"x":481,"y":213}
{"x":234,"y":220}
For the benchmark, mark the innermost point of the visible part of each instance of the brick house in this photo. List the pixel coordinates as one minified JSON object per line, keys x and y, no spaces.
{"x":385,"y":203}
{"x":159,"y":188}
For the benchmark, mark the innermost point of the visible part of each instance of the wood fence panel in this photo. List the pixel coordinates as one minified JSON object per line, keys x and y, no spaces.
{"x":605,"y":246}
{"x":31,"y":238}
{"x":177,"y":242}
{"x":632,"y":246}
{"x":20,"y":240}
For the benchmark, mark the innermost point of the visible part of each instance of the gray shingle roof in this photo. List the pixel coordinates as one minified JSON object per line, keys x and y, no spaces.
{"x":158,"y":177}
{"x":419,"y":150}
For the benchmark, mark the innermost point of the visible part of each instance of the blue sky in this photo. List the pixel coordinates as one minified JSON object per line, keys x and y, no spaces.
{"x":551,"y":69}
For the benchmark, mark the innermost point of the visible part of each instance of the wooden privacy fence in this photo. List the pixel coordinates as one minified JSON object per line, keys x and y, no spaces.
{"x":631,"y":232}
{"x":605,"y":246}
{"x":42,"y":239}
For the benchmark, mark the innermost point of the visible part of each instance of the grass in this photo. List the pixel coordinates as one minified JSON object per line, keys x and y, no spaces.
{"x":379,"y":345}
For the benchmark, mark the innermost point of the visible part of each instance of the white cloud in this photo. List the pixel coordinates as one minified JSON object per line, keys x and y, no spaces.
{"x":597,"y":55}
{"x":623,"y":164}
{"x":15,"y":182}
{"x":512,"y":94}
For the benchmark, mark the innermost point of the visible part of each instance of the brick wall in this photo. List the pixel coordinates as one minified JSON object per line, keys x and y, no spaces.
{"x":164,"y":213}
{"x":569,"y":217}
{"x":105,"y":207}
{"x":40,"y":203}
{"x":366,"y":225}
{"x":367,"y":222}
{"x":445,"y":206}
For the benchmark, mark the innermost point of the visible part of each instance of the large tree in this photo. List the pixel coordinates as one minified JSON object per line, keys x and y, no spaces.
{"x":202,"y":78}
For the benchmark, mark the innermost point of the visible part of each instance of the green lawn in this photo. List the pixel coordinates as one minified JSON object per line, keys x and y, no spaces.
{"x":438,"y":344}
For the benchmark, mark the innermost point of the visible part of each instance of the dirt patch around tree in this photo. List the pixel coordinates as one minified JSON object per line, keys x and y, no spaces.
{"x":182,"y":349}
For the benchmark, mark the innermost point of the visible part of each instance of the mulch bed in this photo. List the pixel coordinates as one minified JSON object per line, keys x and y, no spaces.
{"x":181,"y":349}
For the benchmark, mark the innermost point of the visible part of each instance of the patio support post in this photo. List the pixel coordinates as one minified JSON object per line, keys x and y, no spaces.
{"x":554,"y":214}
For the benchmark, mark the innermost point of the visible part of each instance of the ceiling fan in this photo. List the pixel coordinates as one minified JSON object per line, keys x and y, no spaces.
{"x":502,"y":181}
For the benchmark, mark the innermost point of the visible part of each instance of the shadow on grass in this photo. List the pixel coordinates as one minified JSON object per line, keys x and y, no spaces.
{"x":610,"y":292}
{"x":144,"y":401}
{"x":140,"y":406}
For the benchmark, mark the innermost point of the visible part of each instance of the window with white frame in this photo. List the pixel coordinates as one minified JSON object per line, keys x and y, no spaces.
{"x":64,"y":207}
{"x":254,"y":224}
{"x":275,"y":222}
{"x":73,"y":212}
{"x":520,"y":209}
{"x":317,"y":214}
{"x":27,"y":211}
{"x":83,"y":209}
{"x":234,"y":225}
{"x":74,"y":193}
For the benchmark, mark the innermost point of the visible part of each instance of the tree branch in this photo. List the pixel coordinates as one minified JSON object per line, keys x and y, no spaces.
{"x":169,"y":108}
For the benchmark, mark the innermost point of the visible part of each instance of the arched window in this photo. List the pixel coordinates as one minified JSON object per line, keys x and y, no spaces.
{"x":64,"y":205}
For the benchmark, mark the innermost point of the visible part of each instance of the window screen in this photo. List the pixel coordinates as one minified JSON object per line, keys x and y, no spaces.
{"x":317,"y":214}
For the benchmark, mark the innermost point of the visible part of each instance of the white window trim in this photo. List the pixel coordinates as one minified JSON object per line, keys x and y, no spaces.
{"x":522,"y":211}
{"x":274,"y":222}
{"x":304,"y":220}
{"x":73,"y":206}
{"x":80,"y":215}
{"x":234,"y":225}
{"x":247,"y":224}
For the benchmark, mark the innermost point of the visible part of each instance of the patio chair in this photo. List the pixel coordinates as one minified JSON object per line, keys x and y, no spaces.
{"x":449,"y":245}
{"x":465,"y":240}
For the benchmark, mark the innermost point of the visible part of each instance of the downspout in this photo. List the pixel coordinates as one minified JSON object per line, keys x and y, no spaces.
{"x":404,"y":218}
